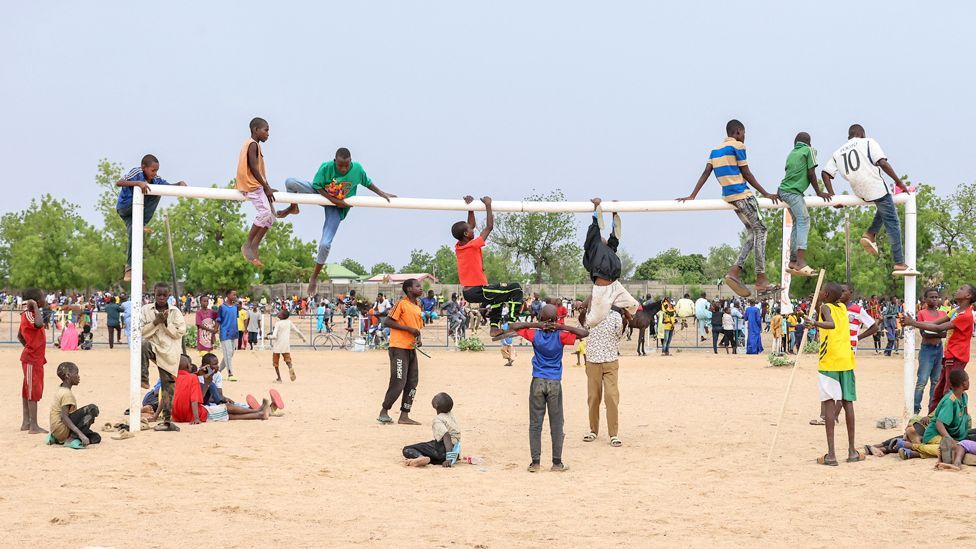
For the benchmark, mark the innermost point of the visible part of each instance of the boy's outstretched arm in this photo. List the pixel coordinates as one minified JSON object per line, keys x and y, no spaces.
{"x":751,"y":179}
{"x":812,"y":178}
{"x":373,"y":187}
{"x":884,"y":165}
{"x":472,"y":222}
{"x":489,"y":219}
{"x":870,"y":331}
{"x":943,"y":324}
{"x":66,"y":419}
{"x":700,"y":184}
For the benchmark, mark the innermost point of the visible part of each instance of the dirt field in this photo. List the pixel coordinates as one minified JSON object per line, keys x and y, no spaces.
{"x":692,"y":470}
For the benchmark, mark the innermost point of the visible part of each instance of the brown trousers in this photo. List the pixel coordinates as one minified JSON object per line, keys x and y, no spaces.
{"x":601,"y":384}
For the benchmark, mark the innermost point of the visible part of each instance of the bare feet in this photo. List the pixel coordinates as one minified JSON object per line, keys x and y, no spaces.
{"x":127,"y":275}
{"x":290,"y":210}
{"x":405,"y":420}
{"x":36,"y":430}
{"x":25,"y":426}
{"x":265,"y":408}
{"x":947,"y":467}
{"x":251,"y":256}
{"x":417,"y":462}
{"x":312,"y":284}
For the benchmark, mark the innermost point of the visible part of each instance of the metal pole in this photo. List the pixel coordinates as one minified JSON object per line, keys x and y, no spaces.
{"x":911,"y":230}
{"x":135,"y":296}
{"x":847,"y":244}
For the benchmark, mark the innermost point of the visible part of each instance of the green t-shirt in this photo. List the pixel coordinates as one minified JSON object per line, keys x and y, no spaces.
{"x":339,"y":185}
{"x":801,"y":158}
{"x":951,"y":411}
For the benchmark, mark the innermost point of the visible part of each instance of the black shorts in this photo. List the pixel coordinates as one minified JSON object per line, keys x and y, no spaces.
{"x":252,"y":337}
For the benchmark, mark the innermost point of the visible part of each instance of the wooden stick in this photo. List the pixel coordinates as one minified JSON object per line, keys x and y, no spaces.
{"x":796,"y":363}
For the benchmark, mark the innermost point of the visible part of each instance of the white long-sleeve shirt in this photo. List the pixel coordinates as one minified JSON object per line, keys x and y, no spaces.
{"x":281,"y":336}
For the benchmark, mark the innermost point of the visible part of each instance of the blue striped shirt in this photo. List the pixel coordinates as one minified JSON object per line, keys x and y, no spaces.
{"x":135,"y":174}
{"x":726,"y":162}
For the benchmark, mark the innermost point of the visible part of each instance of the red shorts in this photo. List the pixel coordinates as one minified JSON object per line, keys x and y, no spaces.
{"x":33,"y":382}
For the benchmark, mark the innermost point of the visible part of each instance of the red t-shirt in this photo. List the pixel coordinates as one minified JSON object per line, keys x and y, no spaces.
{"x":928,"y":316}
{"x":561,"y":313}
{"x":962,"y":331}
{"x":33,"y":352}
{"x":187,"y":390}
{"x":471,"y":271}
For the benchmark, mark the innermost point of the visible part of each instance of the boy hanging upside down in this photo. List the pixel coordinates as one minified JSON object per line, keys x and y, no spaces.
{"x":471,"y":272}
{"x":601,"y":261}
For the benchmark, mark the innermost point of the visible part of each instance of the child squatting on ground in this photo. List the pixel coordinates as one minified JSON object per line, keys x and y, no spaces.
{"x":545,"y":392}
{"x":71,"y":425}
{"x":446,"y":436}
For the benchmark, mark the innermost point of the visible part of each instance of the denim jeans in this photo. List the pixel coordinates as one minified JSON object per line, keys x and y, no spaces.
{"x":667,"y":340}
{"x":148,"y":209}
{"x":929,"y":370}
{"x":329,"y":226}
{"x":887,"y":215}
{"x":801,"y":221}
{"x":546,"y":394}
{"x":890,"y":328}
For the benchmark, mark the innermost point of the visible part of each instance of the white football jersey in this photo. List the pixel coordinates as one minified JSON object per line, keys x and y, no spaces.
{"x":857,"y":161}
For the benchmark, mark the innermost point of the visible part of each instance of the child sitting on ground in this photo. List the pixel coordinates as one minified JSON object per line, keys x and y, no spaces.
{"x":601,"y":261}
{"x":913,"y":435}
{"x":86,"y":338}
{"x":281,"y":343}
{"x":188,"y":404}
{"x":950,"y":422}
{"x":71,"y":425}
{"x":546,"y":391}
{"x":471,"y":272}
{"x":446,"y":435}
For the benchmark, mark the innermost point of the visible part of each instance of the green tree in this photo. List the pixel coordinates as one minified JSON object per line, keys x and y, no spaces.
{"x":382,"y":268}
{"x":354,"y":266}
{"x":444,"y":265}
{"x":542,"y":240}
{"x":673,"y":267}
{"x":420,"y":262}
{"x":627,"y":264}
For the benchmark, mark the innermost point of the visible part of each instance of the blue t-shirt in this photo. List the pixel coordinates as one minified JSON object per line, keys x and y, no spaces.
{"x":507,"y":340}
{"x":547,"y":360}
{"x":227,"y":317}
{"x":125,"y":194}
{"x":428,"y":303}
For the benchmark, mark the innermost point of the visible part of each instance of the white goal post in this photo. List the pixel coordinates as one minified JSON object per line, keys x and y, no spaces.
{"x":210,"y":193}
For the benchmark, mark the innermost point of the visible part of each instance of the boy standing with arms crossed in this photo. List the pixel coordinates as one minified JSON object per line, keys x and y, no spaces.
{"x":731,"y":168}
{"x":252,"y":181}
{"x":471,"y":272}
{"x":32,"y":359}
{"x":863,"y":161}
{"x":546,"y":391}
{"x":405,"y":323}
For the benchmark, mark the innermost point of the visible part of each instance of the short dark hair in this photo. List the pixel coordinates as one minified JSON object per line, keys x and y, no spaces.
{"x":443,"y":402}
{"x":258,"y":122}
{"x":802,"y":137}
{"x":228,"y":292}
{"x":407,"y":283}
{"x":833,"y":290}
{"x":972,"y":291}
{"x":33,"y":293}
{"x":927,"y":290}
{"x":458,"y":229}
{"x":733,"y":126}
{"x":159,"y":285}
{"x":209,"y":358}
{"x":956,"y":377}
{"x":66,"y":368}
{"x":149,"y":160}
{"x":285,"y":313}
{"x":343,"y":153}
{"x":854,"y":129}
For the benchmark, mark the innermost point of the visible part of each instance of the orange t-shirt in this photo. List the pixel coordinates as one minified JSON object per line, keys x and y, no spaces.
{"x":408,"y":314}
{"x":471,"y":271}
{"x":246,"y":182}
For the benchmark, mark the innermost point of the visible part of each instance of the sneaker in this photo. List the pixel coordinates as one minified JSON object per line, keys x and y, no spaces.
{"x":231,"y":378}
{"x":534,"y":467}
{"x":559,"y":467}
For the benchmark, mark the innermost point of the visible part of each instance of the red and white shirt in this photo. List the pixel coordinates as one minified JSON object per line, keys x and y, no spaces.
{"x":857,"y":317}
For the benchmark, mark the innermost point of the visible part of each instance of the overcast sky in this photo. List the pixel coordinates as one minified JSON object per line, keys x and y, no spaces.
{"x":439,"y":99}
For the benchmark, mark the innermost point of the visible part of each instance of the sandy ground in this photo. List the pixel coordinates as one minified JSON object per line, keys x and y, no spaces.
{"x":692,"y":471}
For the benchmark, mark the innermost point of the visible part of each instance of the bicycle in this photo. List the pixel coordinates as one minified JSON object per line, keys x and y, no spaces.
{"x":331,"y":340}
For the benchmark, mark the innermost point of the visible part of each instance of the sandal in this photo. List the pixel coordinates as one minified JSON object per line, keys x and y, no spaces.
{"x":737,"y":286}
{"x":166,"y":426}
{"x":805,"y":271}
{"x":869,"y":246}
{"x":818,"y":421}
{"x":385,"y":420}
{"x":615,"y":442}
{"x":822,"y":460}
{"x":589,"y":437}
{"x":861,"y":456}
